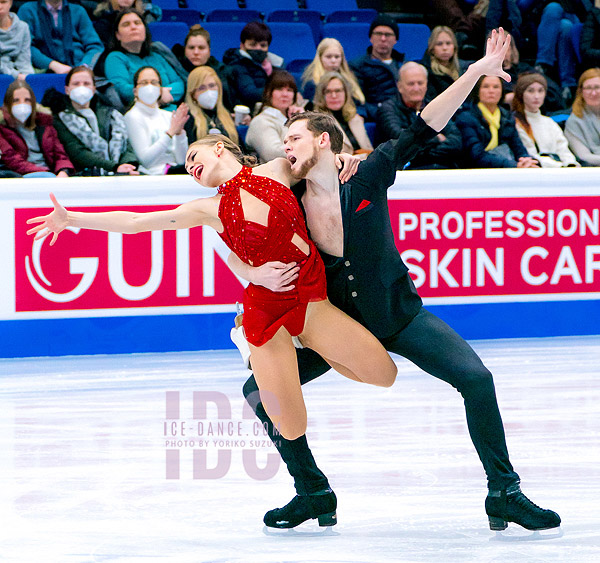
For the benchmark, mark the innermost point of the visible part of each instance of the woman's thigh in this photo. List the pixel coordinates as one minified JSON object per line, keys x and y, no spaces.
{"x":346,"y":345}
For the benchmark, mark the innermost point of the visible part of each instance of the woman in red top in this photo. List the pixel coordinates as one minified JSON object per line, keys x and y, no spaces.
{"x":258,"y":217}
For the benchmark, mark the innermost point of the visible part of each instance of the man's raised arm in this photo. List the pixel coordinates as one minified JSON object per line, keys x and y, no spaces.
{"x":438,"y":112}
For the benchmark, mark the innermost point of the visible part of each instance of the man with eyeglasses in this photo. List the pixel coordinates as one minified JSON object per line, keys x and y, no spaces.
{"x":377,"y":70}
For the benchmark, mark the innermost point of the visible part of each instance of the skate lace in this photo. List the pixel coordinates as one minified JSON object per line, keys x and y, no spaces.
{"x":522,"y":501}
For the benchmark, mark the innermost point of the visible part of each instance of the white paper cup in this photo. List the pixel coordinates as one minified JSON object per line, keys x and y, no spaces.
{"x":240,"y":112}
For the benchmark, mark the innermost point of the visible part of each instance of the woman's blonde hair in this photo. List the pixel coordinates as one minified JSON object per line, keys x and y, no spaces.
{"x":436,"y":66}
{"x":315,"y":71}
{"x":579,"y":103}
{"x":102,"y":7}
{"x":195,"y":80}
{"x":348,"y":109}
{"x":233,"y":148}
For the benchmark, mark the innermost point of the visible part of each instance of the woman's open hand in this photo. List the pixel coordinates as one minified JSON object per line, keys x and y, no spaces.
{"x":54,"y":222}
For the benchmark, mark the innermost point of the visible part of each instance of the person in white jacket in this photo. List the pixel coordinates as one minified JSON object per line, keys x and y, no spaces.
{"x":541,"y":135}
{"x":267,"y":130}
{"x":156,"y":135}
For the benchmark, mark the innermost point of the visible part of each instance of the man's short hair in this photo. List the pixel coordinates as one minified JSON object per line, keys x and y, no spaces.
{"x":318,"y":123}
{"x":257,"y":31}
{"x":412,"y":65}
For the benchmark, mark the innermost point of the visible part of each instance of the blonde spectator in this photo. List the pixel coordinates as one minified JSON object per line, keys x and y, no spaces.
{"x":441,"y":60}
{"x":333,"y":96}
{"x":583,"y":126}
{"x":330,"y":58}
{"x":204,"y":97}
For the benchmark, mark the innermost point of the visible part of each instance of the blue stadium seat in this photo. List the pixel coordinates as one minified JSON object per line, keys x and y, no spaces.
{"x":370,"y":127}
{"x":412,"y":41}
{"x":223,"y":35}
{"x":168,"y":33}
{"x":207,"y":6}
{"x":233,"y":16}
{"x":242,"y":130}
{"x":330,"y":6}
{"x":5,"y":81}
{"x":41,"y":82}
{"x":268,"y":6}
{"x":183,"y":15}
{"x":167,"y":4}
{"x":297,"y":65}
{"x":310,"y":17}
{"x":292,"y":40}
{"x":366,"y":15}
{"x":354,"y":37}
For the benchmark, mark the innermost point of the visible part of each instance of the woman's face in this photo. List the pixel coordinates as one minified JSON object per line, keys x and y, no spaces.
{"x":123,"y":4}
{"x":443,"y":48}
{"x":131,"y":29}
{"x":5,"y":7}
{"x":202,"y":163}
{"x":21,"y":96}
{"x":282,"y":98}
{"x":331,"y":59}
{"x":490,"y":91}
{"x":197,"y":50}
{"x":590,"y":90}
{"x":335,"y":95}
{"x":80,"y":79}
{"x":533,"y":97}
{"x":148,"y":77}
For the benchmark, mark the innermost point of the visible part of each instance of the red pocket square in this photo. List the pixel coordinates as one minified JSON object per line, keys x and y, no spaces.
{"x":364,"y":203}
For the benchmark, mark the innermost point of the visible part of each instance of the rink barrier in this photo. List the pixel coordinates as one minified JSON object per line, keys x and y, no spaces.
{"x":495,"y":253}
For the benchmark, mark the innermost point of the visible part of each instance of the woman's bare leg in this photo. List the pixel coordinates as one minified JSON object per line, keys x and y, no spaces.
{"x":276,"y":371}
{"x":346,"y":345}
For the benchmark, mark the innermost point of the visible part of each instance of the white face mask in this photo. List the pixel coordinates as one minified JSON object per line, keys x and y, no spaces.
{"x":21,"y":112}
{"x":149,"y":94}
{"x":81,"y":95}
{"x":208,"y":99}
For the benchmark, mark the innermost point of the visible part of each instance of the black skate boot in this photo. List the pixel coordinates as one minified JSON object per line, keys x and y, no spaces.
{"x":304,"y":507}
{"x":512,"y":505}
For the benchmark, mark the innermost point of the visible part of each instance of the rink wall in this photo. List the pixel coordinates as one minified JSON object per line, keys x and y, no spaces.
{"x":496,"y":253}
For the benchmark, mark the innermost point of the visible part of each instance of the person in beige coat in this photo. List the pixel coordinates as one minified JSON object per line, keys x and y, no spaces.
{"x":334,"y":96}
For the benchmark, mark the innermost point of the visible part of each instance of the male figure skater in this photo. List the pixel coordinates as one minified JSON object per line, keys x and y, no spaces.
{"x":367,"y":279}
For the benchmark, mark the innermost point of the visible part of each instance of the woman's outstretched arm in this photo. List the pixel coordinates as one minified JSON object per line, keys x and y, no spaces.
{"x":191,"y":214}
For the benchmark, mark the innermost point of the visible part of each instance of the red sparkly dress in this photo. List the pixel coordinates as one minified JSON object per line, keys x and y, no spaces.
{"x":265,"y":311}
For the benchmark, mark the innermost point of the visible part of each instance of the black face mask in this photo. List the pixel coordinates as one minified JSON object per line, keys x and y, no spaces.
{"x":258,"y":55}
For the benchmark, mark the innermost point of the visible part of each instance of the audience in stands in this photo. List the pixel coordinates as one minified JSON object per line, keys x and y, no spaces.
{"x":541,"y":136}
{"x":204,"y":98}
{"x":157,"y":135}
{"x":106,"y":13}
{"x":490,"y":137}
{"x":28,"y":141}
{"x":556,"y":42}
{"x":62,"y":35}
{"x":267,"y":130}
{"x":251,"y":65}
{"x":4,"y":172}
{"x":377,"y":70}
{"x":131,"y":49}
{"x":467,"y":21}
{"x":334,"y":96}
{"x":441,"y":60}
{"x":583,"y":126}
{"x":15,"y":43}
{"x":590,"y":39}
{"x":195,"y":52}
{"x":93,"y":133}
{"x":330,"y":58}
{"x":399,"y":113}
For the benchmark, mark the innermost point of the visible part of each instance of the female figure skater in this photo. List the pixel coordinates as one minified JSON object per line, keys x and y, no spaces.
{"x":259,"y":218}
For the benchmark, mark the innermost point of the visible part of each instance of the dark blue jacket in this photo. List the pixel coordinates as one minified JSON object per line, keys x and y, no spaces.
{"x":377,"y":80}
{"x":476,"y":136}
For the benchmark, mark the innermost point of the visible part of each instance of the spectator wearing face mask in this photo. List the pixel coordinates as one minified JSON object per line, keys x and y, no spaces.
{"x":92,"y":132}
{"x":28,"y":141}
{"x":156,"y":135}
{"x":251,"y":64}
{"x":204,"y":97}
